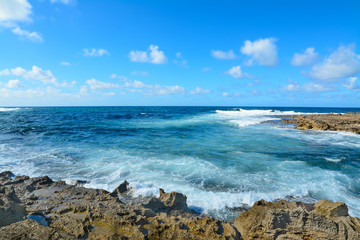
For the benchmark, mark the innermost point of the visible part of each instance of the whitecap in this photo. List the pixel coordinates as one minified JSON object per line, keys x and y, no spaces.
{"x":8,"y":109}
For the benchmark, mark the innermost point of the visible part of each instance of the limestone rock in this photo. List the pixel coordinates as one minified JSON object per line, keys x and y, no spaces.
{"x":122,"y":188}
{"x":296,"y":220}
{"x":11,"y":209}
{"x":30,"y":230}
{"x":173,"y":200}
{"x":349,"y":122}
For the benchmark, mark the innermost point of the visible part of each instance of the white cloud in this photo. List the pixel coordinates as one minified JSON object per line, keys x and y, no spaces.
{"x":139,"y":56}
{"x":307,"y":58}
{"x":180,"y":60}
{"x":35,"y":73}
{"x":223,"y":55}
{"x":66,"y":2}
{"x":83,"y":90}
{"x":14,"y":84}
{"x":235,"y":72}
{"x":65,"y":84}
{"x":316,"y":87}
{"x":5,"y":72}
{"x":16,"y":94}
{"x":153,"y":55}
{"x":263,"y":51}
{"x":95,"y":84}
{"x":15,"y":10}
{"x":94,"y":52}
{"x":121,"y":78}
{"x":153,"y":89}
{"x":136,"y":84}
{"x":351,"y":84}
{"x":64,"y":63}
{"x":32,"y":36}
{"x":199,"y":91}
{"x":165,"y":90}
{"x":225,"y":94}
{"x":294,"y":86}
{"x":343,"y":62}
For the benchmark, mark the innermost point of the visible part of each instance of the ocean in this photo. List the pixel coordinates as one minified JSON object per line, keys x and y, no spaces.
{"x":223,"y":158}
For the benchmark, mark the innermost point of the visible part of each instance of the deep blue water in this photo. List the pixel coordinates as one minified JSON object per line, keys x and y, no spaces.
{"x":221,"y":158}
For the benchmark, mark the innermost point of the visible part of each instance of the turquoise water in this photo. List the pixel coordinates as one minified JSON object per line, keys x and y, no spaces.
{"x":222,"y":158}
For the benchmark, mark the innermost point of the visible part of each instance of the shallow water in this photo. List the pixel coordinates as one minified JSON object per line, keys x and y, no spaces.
{"x":222,"y":158}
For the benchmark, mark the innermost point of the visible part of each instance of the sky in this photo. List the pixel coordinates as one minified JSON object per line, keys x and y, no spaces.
{"x":180,"y":53}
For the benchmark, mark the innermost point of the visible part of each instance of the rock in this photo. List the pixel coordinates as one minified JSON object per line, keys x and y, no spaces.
{"x":30,"y":230}
{"x":296,"y":220}
{"x":331,"y":209}
{"x":154,"y":204}
{"x":349,"y":122}
{"x":122,"y":188}
{"x":73,"y":212}
{"x":173,"y":200}
{"x":11,"y":209}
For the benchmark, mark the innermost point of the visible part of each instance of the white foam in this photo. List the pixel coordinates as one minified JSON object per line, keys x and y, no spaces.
{"x":8,"y":109}
{"x":333,"y":159}
{"x":243,"y":118}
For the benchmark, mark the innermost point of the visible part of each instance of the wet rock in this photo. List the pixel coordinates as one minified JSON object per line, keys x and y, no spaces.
{"x":296,"y":220}
{"x":6,"y":176}
{"x":122,"y":188}
{"x":173,"y":200}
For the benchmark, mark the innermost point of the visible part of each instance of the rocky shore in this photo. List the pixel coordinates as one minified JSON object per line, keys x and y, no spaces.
{"x":348,"y":122}
{"x":40,"y":208}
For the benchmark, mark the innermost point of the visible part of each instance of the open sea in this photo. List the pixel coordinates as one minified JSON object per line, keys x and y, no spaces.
{"x":222,"y":158}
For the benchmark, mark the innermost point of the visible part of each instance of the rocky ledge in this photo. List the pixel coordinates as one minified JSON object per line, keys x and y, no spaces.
{"x":348,"y":122}
{"x":39,"y":208}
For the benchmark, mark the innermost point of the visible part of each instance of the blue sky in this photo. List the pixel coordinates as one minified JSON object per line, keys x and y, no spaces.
{"x":231,"y":53}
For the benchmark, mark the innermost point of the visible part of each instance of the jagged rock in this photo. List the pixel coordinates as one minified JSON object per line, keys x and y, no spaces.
{"x":173,"y":200}
{"x":122,"y":188}
{"x":5,"y":176}
{"x":73,"y":212}
{"x":154,"y":204}
{"x":296,"y":220}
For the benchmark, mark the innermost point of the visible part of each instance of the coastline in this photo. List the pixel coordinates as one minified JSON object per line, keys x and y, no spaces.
{"x":39,"y":208}
{"x":347,"y":122}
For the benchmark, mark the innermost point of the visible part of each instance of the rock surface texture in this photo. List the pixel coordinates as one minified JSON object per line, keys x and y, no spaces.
{"x":348,"y":122}
{"x":39,"y":208}
{"x":297,"y":220}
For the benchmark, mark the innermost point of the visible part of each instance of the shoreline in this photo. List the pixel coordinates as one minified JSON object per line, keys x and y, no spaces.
{"x":39,"y":208}
{"x":346,"y":122}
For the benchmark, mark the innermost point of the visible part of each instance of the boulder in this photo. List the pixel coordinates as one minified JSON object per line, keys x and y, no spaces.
{"x":122,"y":188}
{"x":173,"y":200}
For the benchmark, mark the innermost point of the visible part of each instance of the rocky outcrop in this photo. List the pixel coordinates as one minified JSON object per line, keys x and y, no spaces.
{"x":74,"y":212}
{"x":348,"y":122}
{"x":297,"y":220}
{"x":39,"y":208}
